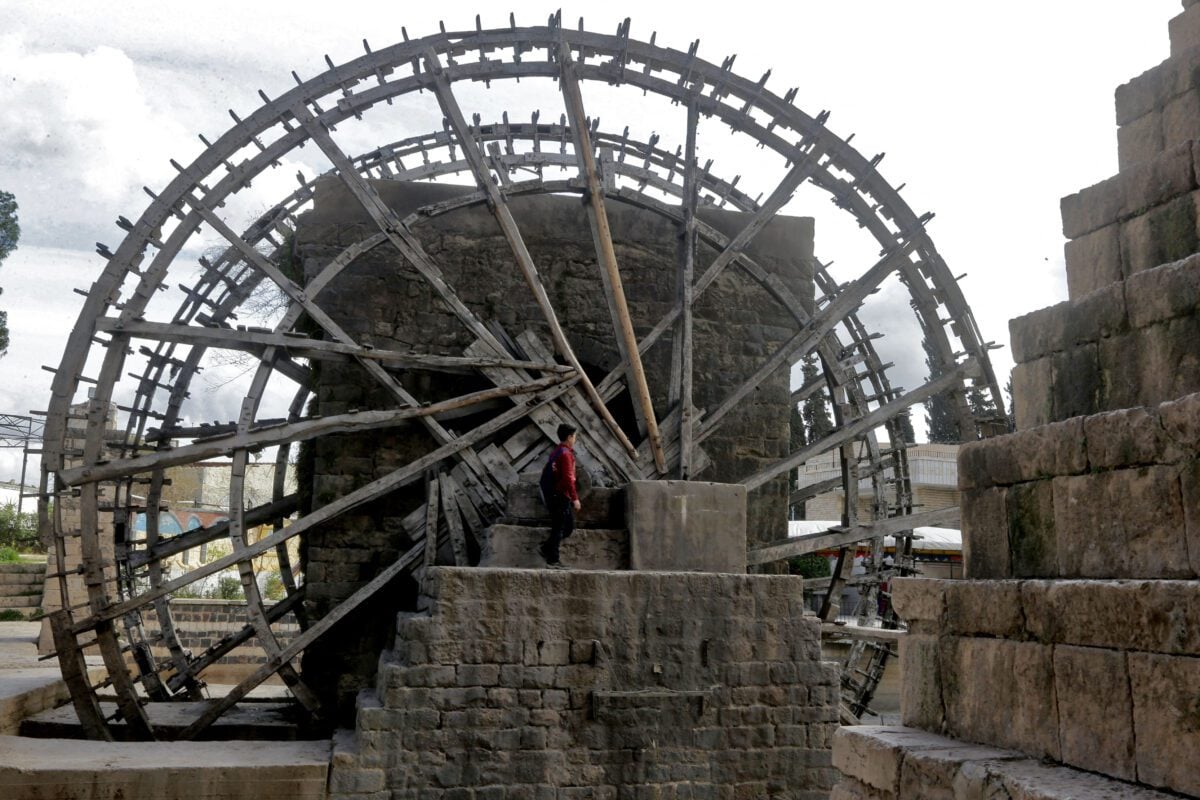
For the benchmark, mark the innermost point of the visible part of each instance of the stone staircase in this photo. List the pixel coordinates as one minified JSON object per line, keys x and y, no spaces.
{"x":600,"y":540}
{"x":21,"y":588}
{"x":1067,"y":665}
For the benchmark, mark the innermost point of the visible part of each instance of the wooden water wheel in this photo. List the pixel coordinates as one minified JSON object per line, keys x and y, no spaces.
{"x":156,"y":317}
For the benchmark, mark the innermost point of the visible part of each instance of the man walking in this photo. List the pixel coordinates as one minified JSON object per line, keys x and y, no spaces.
{"x":559,"y":494}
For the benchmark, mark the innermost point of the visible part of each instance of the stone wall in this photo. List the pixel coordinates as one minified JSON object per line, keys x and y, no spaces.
{"x":524,"y":683}
{"x":380,"y":300}
{"x":1071,"y":653}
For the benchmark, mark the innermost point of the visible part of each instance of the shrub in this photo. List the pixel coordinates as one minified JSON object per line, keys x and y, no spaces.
{"x":9,"y":555}
{"x":809,"y":566}
{"x":273,"y":588}
{"x":19,"y":530}
{"x":11,"y":615}
{"x":229,"y":588}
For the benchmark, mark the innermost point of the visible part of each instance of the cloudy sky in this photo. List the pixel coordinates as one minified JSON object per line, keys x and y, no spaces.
{"x":988,"y":112}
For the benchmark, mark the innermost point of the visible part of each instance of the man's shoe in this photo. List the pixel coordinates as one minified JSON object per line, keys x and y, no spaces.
{"x":544,"y":552}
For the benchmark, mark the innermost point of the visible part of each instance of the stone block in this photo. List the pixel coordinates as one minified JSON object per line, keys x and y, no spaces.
{"x":1189,"y":484}
{"x":1141,"y":95}
{"x":1139,"y":140}
{"x":933,"y":774}
{"x":1121,"y":524}
{"x":1170,"y":360}
{"x":921,"y":687}
{"x":1170,"y":290}
{"x":1161,"y":235}
{"x":919,"y":601}
{"x":1077,"y":384}
{"x":1181,"y":119}
{"x":1046,"y":451}
{"x":1181,"y":421}
{"x":1166,"y":719}
{"x":1000,"y":693}
{"x":1159,"y":616}
{"x":516,"y":546}
{"x":1141,"y":187}
{"x":1032,"y":535}
{"x":985,"y":533}
{"x":1033,"y":393}
{"x":1095,"y":711}
{"x":1184,"y":30}
{"x":1093,"y":260}
{"x":873,"y":755}
{"x":984,"y":608}
{"x":686,"y":526}
{"x":1038,"y":333}
{"x":1127,"y":438}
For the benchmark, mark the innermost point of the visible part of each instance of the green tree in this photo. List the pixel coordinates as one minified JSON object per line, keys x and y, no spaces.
{"x":19,"y":530}
{"x":939,"y":413}
{"x":817,"y":422}
{"x":10,"y":232}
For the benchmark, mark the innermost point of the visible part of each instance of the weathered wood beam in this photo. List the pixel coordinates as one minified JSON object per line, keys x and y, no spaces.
{"x":512,"y":233}
{"x":303,"y":347}
{"x":843,"y":536}
{"x":858,"y":427}
{"x":806,"y":339}
{"x":364,"y":494}
{"x":602,"y":237}
{"x":687,"y":295}
{"x":290,"y":432}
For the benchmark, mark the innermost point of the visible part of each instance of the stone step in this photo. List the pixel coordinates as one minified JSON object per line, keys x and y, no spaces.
{"x":247,"y":721}
{"x":1087,"y":673}
{"x":30,"y":588}
{"x":894,"y":763}
{"x":516,"y":547}
{"x":21,"y":601}
{"x":22,"y":567}
{"x":77,"y":770}
{"x":600,"y":507}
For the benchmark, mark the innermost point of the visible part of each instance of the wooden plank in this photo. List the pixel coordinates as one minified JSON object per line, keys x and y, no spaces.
{"x":364,"y":494}
{"x":458,"y":539}
{"x":432,"y":491}
{"x":606,"y":255}
{"x":832,"y":603}
{"x":508,"y":225}
{"x":474,"y":522}
{"x":842,"y":536}
{"x":300,"y":642}
{"x":290,"y":432}
{"x":691,"y":192}
{"x":499,"y":463}
{"x":864,"y":424}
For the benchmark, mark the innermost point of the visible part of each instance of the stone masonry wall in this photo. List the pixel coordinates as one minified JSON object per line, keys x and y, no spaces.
{"x":382,"y":301}
{"x":547,"y":684}
{"x":1068,"y":664}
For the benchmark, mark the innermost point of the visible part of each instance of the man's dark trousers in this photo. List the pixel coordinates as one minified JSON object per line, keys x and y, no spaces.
{"x":562,"y":525}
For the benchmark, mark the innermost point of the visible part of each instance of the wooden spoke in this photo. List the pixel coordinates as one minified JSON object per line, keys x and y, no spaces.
{"x":848,"y":535}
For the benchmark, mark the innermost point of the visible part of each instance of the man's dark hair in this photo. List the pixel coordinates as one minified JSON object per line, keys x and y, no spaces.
{"x":564,"y":431}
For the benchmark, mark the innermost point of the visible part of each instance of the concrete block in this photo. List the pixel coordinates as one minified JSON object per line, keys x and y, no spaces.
{"x":686,"y":526}
{"x":1032,"y":532}
{"x":1160,"y":235}
{"x":1139,"y":139}
{"x":1171,"y":290}
{"x":985,"y":533}
{"x":1093,"y":260}
{"x":1095,"y":711}
{"x":1032,"y":393}
{"x":1166,"y":719}
{"x":1000,"y":693}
